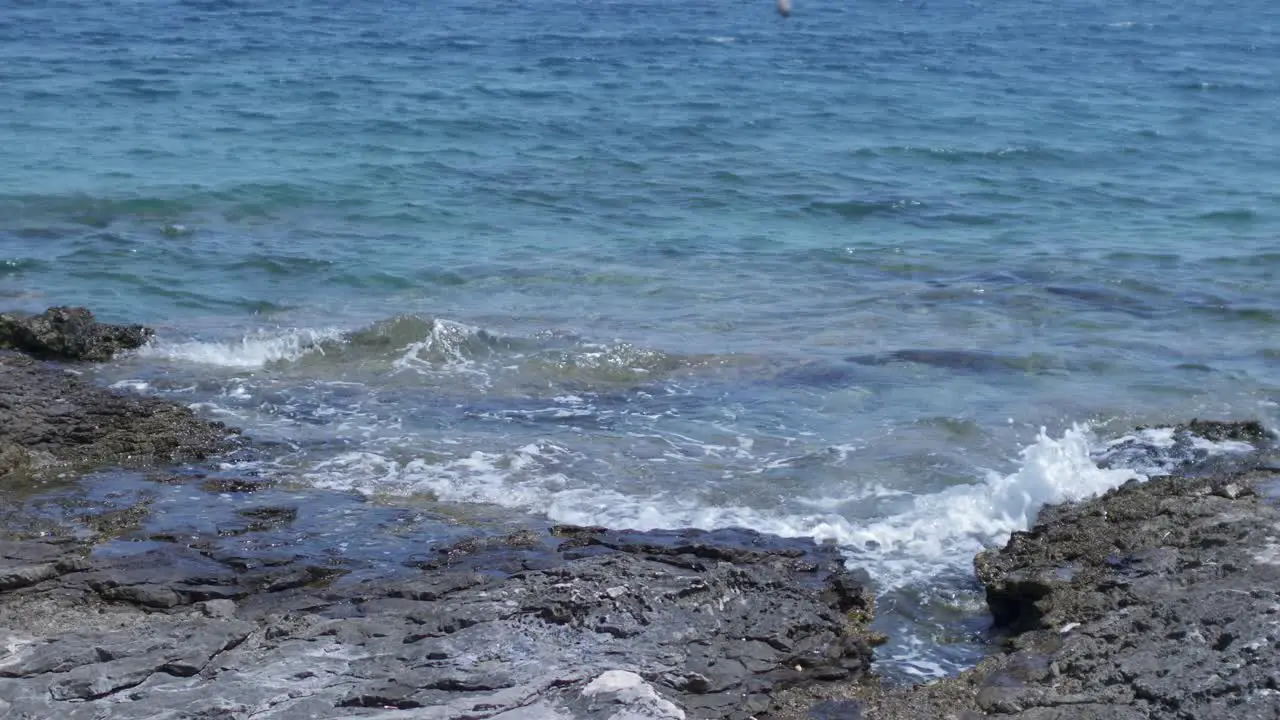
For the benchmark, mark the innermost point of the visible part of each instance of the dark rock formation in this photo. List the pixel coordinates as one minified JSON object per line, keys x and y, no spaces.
{"x":579,"y":623}
{"x":1158,"y":600}
{"x":66,"y":333}
{"x":49,"y":417}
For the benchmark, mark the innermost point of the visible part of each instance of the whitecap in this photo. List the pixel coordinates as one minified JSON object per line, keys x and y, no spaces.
{"x":253,"y":350}
{"x":934,"y":534}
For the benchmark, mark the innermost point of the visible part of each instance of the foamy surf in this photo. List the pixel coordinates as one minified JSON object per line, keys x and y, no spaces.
{"x":447,"y":345}
{"x":254,"y":350}
{"x":937,"y":533}
{"x":415,"y":344}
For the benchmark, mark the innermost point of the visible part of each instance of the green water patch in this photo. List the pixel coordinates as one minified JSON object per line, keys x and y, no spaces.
{"x":1262,"y":316}
{"x":90,"y":210}
{"x":975,"y":361}
{"x":1231,"y":217}
{"x":20,"y":266}
{"x":854,"y":209}
{"x":282,"y":265}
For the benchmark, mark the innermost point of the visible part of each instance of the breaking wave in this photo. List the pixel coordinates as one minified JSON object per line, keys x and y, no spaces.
{"x":936,"y":533}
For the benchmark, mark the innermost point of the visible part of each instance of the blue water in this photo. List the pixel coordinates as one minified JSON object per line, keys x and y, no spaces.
{"x":666,"y":263}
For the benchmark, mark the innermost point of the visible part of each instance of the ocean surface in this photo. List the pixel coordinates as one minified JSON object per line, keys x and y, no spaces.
{"x":886,"y":273}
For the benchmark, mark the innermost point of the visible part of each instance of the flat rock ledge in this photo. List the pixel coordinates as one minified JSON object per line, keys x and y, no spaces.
{"x":574,"y":623}
{"x":68,"y":333}
{"x":1157,"y":600}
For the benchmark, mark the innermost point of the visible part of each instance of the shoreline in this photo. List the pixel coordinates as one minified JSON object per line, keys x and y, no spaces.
{"x":729,"y":624}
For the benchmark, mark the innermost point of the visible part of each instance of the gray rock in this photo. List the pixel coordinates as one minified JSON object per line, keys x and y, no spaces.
{"x":67,"y":333}
{"x":608,"y":625}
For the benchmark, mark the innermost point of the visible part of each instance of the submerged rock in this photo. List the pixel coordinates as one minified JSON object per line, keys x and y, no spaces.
{"x":578,"y":623}
{"x":67,"y":333}
{"x":50,"y":417}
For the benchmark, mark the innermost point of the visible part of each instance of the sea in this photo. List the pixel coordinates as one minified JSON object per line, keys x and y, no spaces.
{"x":887,"y":274}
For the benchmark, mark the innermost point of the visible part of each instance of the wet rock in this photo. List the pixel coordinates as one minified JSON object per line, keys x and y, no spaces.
{"x":49,"y":416}
{"x":608,"y":624}
{"x":14,"y":459}
{"x":233,"y":485}
{"x":1250,"y":431}
{"x":956,"y":360}
{"x":67,"y":333}
{"x":261,"y":519}
{"x":1189,"y":449}
{"x":26,"y":564}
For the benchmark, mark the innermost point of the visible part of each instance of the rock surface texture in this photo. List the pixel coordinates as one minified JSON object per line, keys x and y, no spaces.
{"x":67,"y":333}
{"x":48,"y":416}
{"x":579,"y":623}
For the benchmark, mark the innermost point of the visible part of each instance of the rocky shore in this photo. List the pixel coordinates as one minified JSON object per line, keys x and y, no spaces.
{"x":51,"y":421}
{"x":579,"y":623}
{"x":1158,"y":600}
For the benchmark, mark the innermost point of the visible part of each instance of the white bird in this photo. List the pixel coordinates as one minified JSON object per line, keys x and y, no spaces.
{"x":784,"y":8}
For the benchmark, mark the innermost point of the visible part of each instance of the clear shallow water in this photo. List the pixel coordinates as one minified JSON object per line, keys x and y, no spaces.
{"x":658,"y":264}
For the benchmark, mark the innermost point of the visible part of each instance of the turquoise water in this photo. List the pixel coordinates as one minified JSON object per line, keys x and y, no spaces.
{"x":658,"y":264}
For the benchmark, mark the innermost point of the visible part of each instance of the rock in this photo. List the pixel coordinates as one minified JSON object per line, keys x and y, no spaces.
{"x":232,"y":485}
{"x":224,"y":609}
{"x":1250,"y":431}
{"x":1171,"y":604}
{"x":605,"y":624}
{"x":66,"y":333}
{"x":630,"y":691}
{"x":14,"y":459}
{"x":1158,"y":599}
{"x":25,"y":564}
{"x":51,"y":414}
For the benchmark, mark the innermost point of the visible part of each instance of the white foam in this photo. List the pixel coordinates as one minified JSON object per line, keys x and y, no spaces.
{"x":834,"y":502}
{"x":251,"y":351}
{"x":1159,"y":437}
{"x":444,"y":348}
{"x":1218,"y":447}
{"x":946,"y":529}
{"x":913,"y":656}
{"x":937,"y":533}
